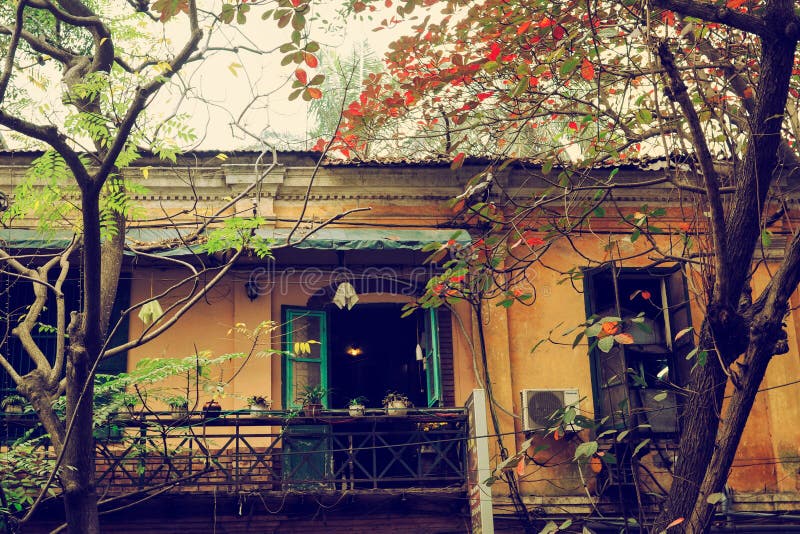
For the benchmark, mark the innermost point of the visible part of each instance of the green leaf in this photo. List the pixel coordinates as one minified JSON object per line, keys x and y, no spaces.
{"x":520,"y":88}
{"x":605,"y":343}
{"x":569,"y":65}
{"x":715,"y":498}
{"x":658,"y":397}
{"x":766,"y":237}
{"x":640,"y":446}
{"x":585,"y":450}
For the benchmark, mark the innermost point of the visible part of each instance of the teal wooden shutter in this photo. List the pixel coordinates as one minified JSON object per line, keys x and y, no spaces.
{"x":302,"y":325}
{"x":432,"y":359}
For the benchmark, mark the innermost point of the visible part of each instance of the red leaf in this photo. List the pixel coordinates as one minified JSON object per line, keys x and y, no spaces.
{"x":668,"y":17}
{"x":733,"y":4}
{"x":359,"y":7}
{"x":458,"y":161}
{"x":534,"y":241}
{"x":494,"y":51}
{"x":311,"y":60}
{"x":319,"y":146}
{"x":302,"y":76}
{"x":623,"y":339}
{"x":484,"y":96}
{"x":587,"y":70}
{"x":646,"y":295}
{"x":573,"y":125}
{"x":558,"y":33}
{"x":523,"y":27}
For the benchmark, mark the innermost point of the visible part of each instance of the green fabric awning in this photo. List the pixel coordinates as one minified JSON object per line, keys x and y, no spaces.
{"x":323,"y":239}
{"x":366,"y":238}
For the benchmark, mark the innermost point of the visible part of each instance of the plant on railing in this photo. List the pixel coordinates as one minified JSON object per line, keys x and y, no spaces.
{"x":356,"y":406}
{"x":259,"y":404}
{"x":396,"y":403}
{"x":311,"y":399}
{"x":13,"y":404}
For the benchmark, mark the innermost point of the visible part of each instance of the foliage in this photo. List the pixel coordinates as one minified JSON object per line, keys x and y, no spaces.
{"x":312,"y":394}
{"x":25,"y":466}
{"x":13,"y":400}
{"x":393,"y":397}
{"x":263,"y":400}
{"x":562,"y":95}
{"x":358,"y":401}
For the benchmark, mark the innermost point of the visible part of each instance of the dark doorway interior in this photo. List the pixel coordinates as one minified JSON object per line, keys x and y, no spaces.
{"x":372,"y":351}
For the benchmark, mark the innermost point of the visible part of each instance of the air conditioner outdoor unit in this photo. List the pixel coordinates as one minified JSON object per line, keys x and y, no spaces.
{"x":538,"y":405}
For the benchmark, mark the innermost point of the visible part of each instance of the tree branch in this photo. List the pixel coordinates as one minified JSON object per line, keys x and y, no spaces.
{"x":679,"y":94}
{"x":714,"y":13}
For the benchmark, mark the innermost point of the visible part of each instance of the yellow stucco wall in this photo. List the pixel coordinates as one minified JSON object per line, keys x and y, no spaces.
{"x":769,"y":456}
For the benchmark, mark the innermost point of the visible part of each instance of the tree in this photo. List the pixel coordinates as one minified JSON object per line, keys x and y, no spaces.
{"x":79,"y":78}
{"x":703,"y":88}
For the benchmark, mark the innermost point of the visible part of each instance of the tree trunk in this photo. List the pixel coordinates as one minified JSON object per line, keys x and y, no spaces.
{"x":700,"y":422}
{"x":86,"y":342}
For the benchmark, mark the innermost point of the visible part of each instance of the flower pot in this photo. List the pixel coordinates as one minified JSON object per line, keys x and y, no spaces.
{"x":211,"y":409}
{"x":397,"y":408}
{"x":180,"y":412}
{"x":258,"y":410}
{"x":312,"y":410}
{"x":356,"y":410}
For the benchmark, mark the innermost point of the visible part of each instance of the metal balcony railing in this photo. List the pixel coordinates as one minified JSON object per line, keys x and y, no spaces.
{"x":281,"y":451}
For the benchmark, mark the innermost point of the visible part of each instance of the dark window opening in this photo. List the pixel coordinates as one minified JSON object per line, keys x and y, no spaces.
{"x":372,"y":351}
{"x":637,"y":385}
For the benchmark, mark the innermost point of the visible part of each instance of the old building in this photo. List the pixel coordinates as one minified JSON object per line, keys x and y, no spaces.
{"x":293,"y":472}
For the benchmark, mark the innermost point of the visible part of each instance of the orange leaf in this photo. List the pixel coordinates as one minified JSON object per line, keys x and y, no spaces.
{"x":733,"y":4}
{"x":623,"y":339}
{"x":311,"y":60}
{"x":596,"y":464}
{"x":610,"y":328}
{"x":587,"y":70}
{"x":646,"y":294}
{"x":523,"y":27}
{"x":314,"y":93}
{"x":748,"y":92}
{"x":521,"y":466}
{"x":302,"y":76}
{"x":675,"y":523}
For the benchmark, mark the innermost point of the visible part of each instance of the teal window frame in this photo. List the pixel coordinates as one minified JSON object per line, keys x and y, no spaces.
{"x":289,"y":314}
{"x":433,"y":363}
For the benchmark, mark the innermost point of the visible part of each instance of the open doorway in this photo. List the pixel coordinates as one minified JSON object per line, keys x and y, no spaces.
{"x":372,"y":350}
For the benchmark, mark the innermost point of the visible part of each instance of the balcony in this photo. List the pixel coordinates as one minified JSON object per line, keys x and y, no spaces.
{"x":279,"y":451}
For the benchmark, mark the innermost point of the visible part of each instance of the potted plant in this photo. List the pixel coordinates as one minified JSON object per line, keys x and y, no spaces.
{"x":259,"y":404}
{"x":179,"y":404}
{"x":211,"y":409}
{"x":311,"y":399}
{"x":13,"y":404}
{"x":356,"y":406}
{"x":396,"y":404}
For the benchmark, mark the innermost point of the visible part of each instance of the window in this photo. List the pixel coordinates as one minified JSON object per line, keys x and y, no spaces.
{"x":637,"y":385}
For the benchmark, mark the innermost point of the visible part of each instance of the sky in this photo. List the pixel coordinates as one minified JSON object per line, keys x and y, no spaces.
{"x":246,"y":89}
